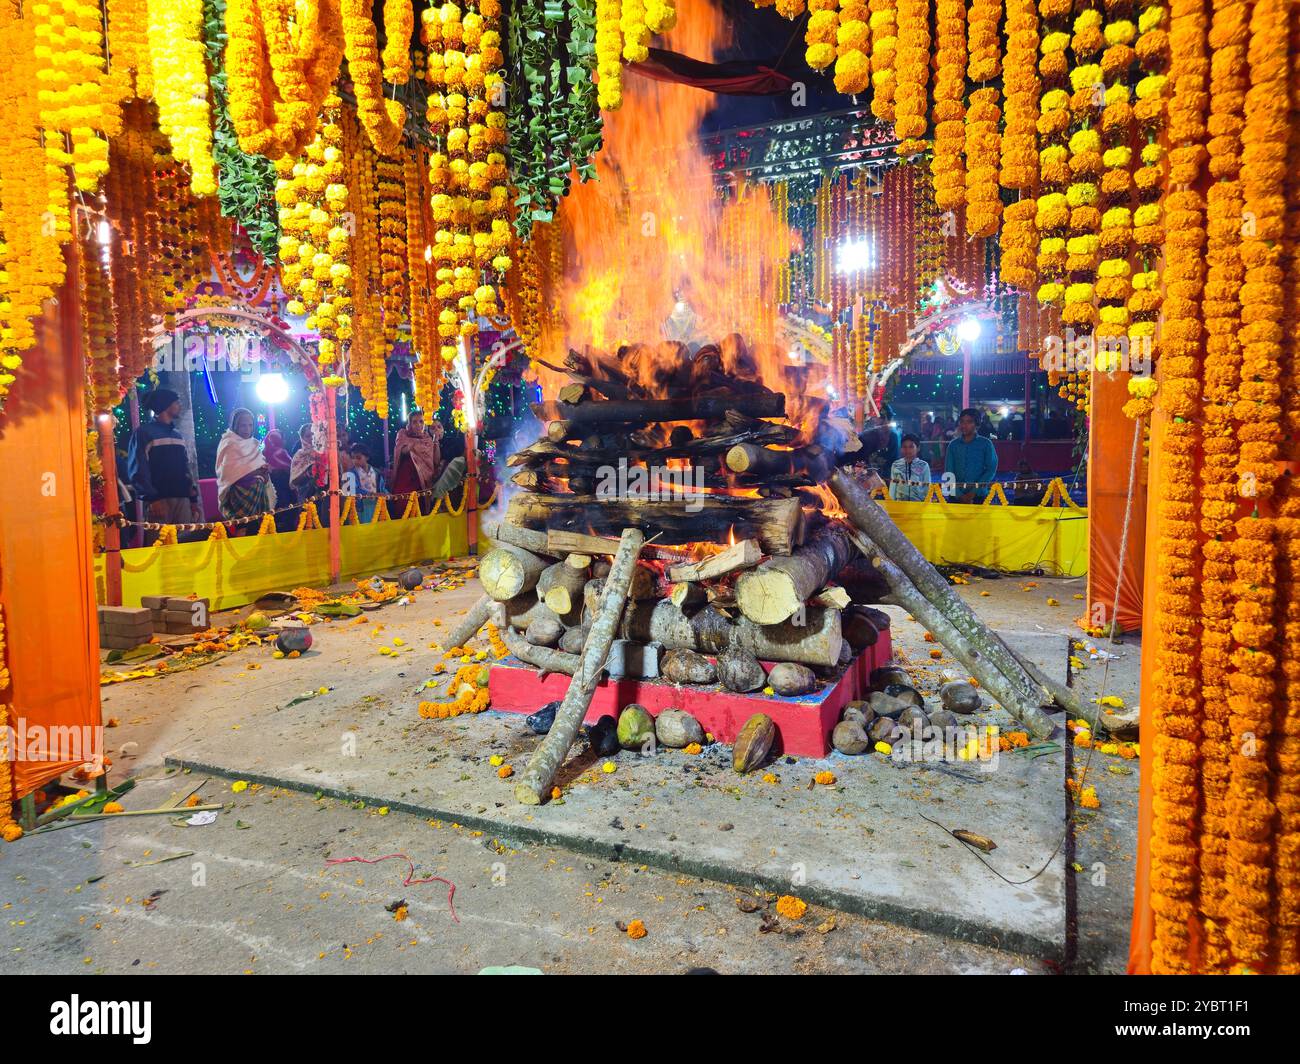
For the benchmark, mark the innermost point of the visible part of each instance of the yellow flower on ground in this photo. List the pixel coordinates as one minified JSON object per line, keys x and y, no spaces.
{"x":790,"y":907}
{"x":239,"y":786}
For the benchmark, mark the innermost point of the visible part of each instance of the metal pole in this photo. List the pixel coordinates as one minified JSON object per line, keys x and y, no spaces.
{"x":112,"y":531}
{"x":332,"y":442}
{"x":134,"y":406}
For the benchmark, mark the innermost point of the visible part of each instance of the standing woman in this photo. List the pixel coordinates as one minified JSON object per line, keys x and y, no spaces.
{"x":278,"y":461}
{"x":244,"y":488}
{"x":416,"y":460}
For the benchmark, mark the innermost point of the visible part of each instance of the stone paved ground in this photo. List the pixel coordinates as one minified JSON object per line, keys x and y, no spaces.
{"x":268,"y":903}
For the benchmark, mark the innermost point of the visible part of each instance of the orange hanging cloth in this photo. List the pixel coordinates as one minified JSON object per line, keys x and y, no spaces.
{"x":47,"y":588}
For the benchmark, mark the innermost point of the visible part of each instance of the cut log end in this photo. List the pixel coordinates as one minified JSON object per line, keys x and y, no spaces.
{"x":767,"y":596}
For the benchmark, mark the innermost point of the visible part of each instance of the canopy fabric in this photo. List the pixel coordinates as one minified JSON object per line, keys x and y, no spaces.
{"x":46,"y":580}
{"x":739,"y":78}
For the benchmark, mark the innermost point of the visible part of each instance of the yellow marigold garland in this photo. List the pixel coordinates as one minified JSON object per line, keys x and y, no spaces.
{"x":276,"y":84}
{"x":35,"y":190}
{"x":636,"y":34}
{"x":178,"y":63}
{"x":128,"y":30}
{"x":399,"y":24}
{"x":853,"y":48}
{"x":609,"y":52}
{"x":819,"y":34}
{"x":313,"y":198}
{"x":383,"y":119}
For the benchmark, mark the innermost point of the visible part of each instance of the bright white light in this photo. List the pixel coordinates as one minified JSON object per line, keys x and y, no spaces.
{"x":969,"y":329}
{"x":1004,"y":410}
{"x":272,"y":388}
{"x":428,"y":252}
{"x":403,"y":408}
{"x":855,"y":256}
{"x":796,"y":354}
{"x":468,"y":396}
{"x":104,"y":232}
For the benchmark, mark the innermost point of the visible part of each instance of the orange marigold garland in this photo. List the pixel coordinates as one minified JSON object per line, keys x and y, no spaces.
{"x":399,"y":24}
{"x":983,"y":142}
{"x":1021,"y":88}
{"x":852,"y":48}
{"x":883,"y":22}
{"x":911,"y":75}
{"x":1221,"y":312}
{"x":947,"y":164}
{"x":383,"y":119}
{"x":1176,"y":749}
{"x":1253,"y":685}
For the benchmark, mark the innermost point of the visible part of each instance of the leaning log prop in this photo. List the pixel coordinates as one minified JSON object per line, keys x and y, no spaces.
{"x":475,"y":619}
{"x":536,"y":783}
{"x":545,"y":658}
{"x":904,"y":593}
{"x":871,"y":518}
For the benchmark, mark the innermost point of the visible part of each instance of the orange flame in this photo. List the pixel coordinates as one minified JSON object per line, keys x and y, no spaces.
{"x":652,"y":252}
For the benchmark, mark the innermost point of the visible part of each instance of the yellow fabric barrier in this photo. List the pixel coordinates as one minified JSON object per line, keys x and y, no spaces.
{"x":997,"y":537}
{"x":233,"y":572}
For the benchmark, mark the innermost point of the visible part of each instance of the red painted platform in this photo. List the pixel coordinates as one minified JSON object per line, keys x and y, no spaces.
{"x":804,"y":723}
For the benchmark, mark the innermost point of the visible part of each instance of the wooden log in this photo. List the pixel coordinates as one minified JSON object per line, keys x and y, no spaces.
{"x":559,"y":542}
{"x":535,"y":785}
{"x":775,"y":590}
{"x":812,"y":461}
{"x":904,"y":593}
{"x":544,"y":658}
{"x":507,"y":571}
{"x":706,"y":631}
{"x":475,"y":619}
{"x":687,"y":596}
{"x":608,"y":450}
{"x":559,"y":431}
{"x":573,"y":393}
{"x":531,"y":539}
{"x":871,"y":518}
{"x":817,"y":641}
{"x":560,"y":585}
{"x":832,"y":596}
{"x":738,"y":556}
{"x":519,"y":612}
{"x":637,"y":411}
{"x":775,"y":523}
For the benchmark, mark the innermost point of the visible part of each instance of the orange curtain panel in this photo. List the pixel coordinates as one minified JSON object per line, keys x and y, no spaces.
{"x":46,"y":585}
{"x":1110,"y":444}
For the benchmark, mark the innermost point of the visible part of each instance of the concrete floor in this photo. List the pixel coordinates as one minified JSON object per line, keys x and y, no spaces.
{"x":673,"y":841}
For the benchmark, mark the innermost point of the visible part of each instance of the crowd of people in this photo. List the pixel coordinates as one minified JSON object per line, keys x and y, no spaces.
{"x":258,"y":476}
{"x":970,"y":458}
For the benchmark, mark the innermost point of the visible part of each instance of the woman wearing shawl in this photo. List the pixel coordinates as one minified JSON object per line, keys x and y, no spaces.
{"x":417,"y":459}
{"x":302,"y":469}
{"x":244,"y":488}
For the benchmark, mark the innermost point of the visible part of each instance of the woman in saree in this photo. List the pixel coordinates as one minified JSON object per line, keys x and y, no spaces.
{"x":244,"y":488}
{"x":417,"y":459}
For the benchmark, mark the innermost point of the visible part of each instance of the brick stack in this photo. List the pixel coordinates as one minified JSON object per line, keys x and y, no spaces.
{"x":124,"y":627}
{"x":177,"y":616}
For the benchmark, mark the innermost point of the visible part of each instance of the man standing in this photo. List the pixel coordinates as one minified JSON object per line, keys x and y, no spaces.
{"x":159,"y":464}
{"x":971,"y":459}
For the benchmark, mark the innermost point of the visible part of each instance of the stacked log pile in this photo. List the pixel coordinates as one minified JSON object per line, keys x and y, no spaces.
{"x":668,"y":525}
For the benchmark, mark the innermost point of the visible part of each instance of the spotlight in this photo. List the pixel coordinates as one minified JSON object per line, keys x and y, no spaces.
{"x":969,"y":329}
{"x":272,"y":388}
{"x":855,"y":256}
